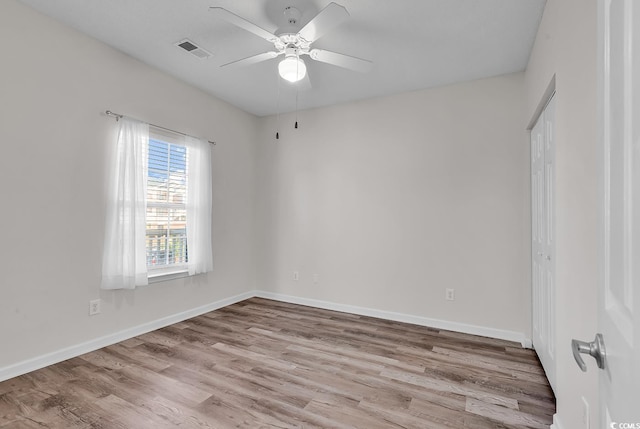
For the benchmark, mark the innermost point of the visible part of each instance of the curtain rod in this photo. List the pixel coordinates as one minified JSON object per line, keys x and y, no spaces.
{"x":119,"y":116}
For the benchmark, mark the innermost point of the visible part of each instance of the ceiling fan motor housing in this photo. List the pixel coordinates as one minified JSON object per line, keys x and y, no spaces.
{"x":288,"y":41}
{"x":291,"y":50}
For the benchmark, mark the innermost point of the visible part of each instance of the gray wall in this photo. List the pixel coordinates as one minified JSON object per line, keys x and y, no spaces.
{"x":55,"y":83}
{"x":392,"y":200}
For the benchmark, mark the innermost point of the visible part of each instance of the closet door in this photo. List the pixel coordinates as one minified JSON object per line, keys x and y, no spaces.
{"x":543,"y":238}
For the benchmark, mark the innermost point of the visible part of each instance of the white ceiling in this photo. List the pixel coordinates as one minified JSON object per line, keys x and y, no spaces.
{"x":414,"y":44}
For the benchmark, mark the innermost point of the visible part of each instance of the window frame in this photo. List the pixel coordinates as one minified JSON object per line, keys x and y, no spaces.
{"x":173,"y":270}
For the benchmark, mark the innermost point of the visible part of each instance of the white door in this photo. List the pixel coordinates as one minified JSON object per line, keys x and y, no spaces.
{"x":542,"y":239}
{"x":619,"y":144}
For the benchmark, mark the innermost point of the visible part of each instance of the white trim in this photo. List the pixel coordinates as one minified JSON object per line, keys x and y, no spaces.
{"x":38,"y":362}
{"x":556,"y":423}
{"x":33,"y":364}
{"x":401,"y":317}
{"x":157,"y":276}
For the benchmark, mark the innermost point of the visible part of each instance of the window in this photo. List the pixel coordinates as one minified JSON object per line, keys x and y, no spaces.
{"x":166,"y":216}
{"x":158,"y":213}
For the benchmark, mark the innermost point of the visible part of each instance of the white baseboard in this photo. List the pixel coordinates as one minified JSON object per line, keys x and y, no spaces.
{"x":484,"y":331}
{"x":526,"y":342}
{"x":556,"y":423}
{"x":95,"y":344}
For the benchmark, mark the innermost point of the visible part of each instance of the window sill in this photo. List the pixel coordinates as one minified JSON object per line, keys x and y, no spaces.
{"x":164,"y":276}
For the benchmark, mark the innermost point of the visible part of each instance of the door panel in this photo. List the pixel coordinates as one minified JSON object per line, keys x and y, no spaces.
{"x":542,"y":238}
{"x":619,"y":125}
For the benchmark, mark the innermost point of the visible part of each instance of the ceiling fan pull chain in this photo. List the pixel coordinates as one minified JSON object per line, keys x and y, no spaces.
{"x":297,"y":64}
{"x":296,"y":125}
{"x":277,"y":107}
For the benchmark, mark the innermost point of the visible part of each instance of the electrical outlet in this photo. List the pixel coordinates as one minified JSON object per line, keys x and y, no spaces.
{"x":585,"y":413}
{"x":449,"y":294}
{"x":316,"y":278}
{"x":296,"y":276}
{"x":94,"y":307}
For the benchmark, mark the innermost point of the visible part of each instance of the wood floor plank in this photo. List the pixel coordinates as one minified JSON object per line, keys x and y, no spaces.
{"x":447,"y":386}
{"x":268,"y":364}
{"x":498,"y":413}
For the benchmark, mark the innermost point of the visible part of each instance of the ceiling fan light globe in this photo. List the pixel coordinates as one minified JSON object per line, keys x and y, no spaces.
{"x":292,"y":69}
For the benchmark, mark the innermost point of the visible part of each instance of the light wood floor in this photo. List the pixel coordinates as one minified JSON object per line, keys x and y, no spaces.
{"x":265,"y":364}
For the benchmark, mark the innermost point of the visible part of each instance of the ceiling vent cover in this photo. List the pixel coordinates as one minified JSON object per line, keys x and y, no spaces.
{"x":193,"y":49}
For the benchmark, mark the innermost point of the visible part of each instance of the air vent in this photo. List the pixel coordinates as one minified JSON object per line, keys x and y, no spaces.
{"x":193,"y":49}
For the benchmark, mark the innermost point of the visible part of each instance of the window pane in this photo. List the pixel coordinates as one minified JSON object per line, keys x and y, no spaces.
{"x":157,"y":190}
{"x":156,"y":248}
{"x":158,"y":155}
{"x":178,"y":245}
{"x":178,"y":159}
{"x":166,"y":204}
{"x":177,"y":188}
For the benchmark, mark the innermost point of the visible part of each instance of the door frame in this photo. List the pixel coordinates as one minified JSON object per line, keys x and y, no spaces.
{"x":549,"y":338}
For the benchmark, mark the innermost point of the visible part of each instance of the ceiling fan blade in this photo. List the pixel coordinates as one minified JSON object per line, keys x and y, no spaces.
{"x":252,"y":59}
{"x":341,"y":60}
{"x":325,"y":20}
{"x":234,"y":19}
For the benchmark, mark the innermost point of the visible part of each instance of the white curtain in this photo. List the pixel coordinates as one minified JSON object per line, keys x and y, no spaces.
{"x":199,"y":206}
{"x":124,"y":264}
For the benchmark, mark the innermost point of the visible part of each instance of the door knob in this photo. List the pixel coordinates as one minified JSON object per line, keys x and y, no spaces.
{"x":594,"y":348}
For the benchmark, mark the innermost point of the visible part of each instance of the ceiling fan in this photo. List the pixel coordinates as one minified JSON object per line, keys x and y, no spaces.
{"x":294,"y":45}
